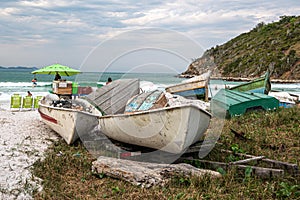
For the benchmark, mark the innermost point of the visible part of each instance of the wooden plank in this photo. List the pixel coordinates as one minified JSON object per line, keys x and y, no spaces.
{"x":136,"y":102}
{"x":258,"y":171}
{"x":161,"y":102}
{"x":64,"y":91}
{"x":206,"y":91}
{"x":112,"y":98}
{"x":247,"y":160}
{"x":116,"y":86}
{"x":146,"y":101}
{"x":103,"y":95}
{"x":186,"y":86}
{"x":116,"y":103}
{"x":149,"y":102}
{"x":290,"y":168}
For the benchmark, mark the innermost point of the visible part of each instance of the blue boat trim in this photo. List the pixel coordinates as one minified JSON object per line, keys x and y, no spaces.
{"x":192,"y":93}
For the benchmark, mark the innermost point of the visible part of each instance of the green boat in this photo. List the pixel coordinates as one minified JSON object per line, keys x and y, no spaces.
{"x":230,"y":103}
{"x":259,"y":85}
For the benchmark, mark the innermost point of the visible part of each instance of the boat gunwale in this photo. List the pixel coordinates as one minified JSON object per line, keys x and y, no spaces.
{"x":156,"y":110}
{"x":259,"y":79}
{"x":192,"y":89}
{"x":70,"y":109}
{"x":188,"y":83}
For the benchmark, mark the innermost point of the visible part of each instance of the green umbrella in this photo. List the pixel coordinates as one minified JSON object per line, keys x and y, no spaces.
{"x":57,"y":68}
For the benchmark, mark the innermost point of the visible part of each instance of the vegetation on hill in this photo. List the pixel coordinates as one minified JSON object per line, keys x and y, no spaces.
{"x":18,"y":68}
{"x":275,"y":45}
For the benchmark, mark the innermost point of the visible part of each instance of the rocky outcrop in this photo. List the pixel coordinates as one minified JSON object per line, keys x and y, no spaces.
{"x":275,"y":46}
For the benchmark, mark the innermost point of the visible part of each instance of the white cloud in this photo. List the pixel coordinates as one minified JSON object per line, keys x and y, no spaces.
{"x":47,"y":3}
{"x":8,"y":11}
{"x":61,"y":25}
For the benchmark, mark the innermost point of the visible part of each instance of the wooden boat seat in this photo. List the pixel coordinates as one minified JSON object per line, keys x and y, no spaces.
{"x":146,"y":101}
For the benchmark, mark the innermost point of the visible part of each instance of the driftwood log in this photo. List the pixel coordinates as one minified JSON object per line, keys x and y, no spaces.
{"x":146,"y":174}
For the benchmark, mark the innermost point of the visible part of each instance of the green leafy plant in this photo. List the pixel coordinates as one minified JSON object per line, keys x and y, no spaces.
{"x":287,"y":190}
{"x":101,"y":175}
{"x":221,"y":171}
{"x":117,"y":190}
{"x":184,"y":181}
{"x":236,"y":149}
{"x":248,"y":172}
{"x":179,"y":195}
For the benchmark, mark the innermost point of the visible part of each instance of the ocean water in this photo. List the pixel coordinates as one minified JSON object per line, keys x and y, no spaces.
{"x":12,"y":81}
{"x":19,"y":81}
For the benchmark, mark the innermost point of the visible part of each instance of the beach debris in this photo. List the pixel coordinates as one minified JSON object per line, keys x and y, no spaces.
{"x":60,"y":153}
{"x":146,"y":174}
{"x":76,"y":104}
{"x":271,"y":168}
{"x":77,"y":154}
{"x":239,"y":134}
{"x":175,"y":100}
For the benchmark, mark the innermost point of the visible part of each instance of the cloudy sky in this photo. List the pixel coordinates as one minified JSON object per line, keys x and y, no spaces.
{"x":125,"y":35}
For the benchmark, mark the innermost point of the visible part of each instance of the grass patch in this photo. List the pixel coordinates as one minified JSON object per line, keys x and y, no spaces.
{"x":66,"y":170}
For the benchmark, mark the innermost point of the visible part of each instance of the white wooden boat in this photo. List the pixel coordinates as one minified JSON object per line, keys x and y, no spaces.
{"x":70,"y":123}
{"x":194,"y":88}
{"x":65,"y":121}
{"x":286,"y":99}
{"x":171,"y":129}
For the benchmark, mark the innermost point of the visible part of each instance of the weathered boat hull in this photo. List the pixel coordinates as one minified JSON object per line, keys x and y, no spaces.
{"x":260,"y":85}
{"x":194,"y":88}
{"x":65,"y":121}
{"x":198,"y":93}
{"x":286,"y":99}
{"x":170,"y":129}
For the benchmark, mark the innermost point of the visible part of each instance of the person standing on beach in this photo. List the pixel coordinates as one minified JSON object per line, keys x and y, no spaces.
{"x":57,"y":77}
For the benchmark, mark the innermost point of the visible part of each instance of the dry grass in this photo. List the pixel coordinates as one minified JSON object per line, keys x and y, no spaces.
{"x":66,"y":171}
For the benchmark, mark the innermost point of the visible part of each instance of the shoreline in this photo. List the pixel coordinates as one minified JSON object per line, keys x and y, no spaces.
{"x":238,"y":79}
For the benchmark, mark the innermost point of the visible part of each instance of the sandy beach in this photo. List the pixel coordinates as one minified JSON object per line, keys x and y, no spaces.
{"x":24,"y":139}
